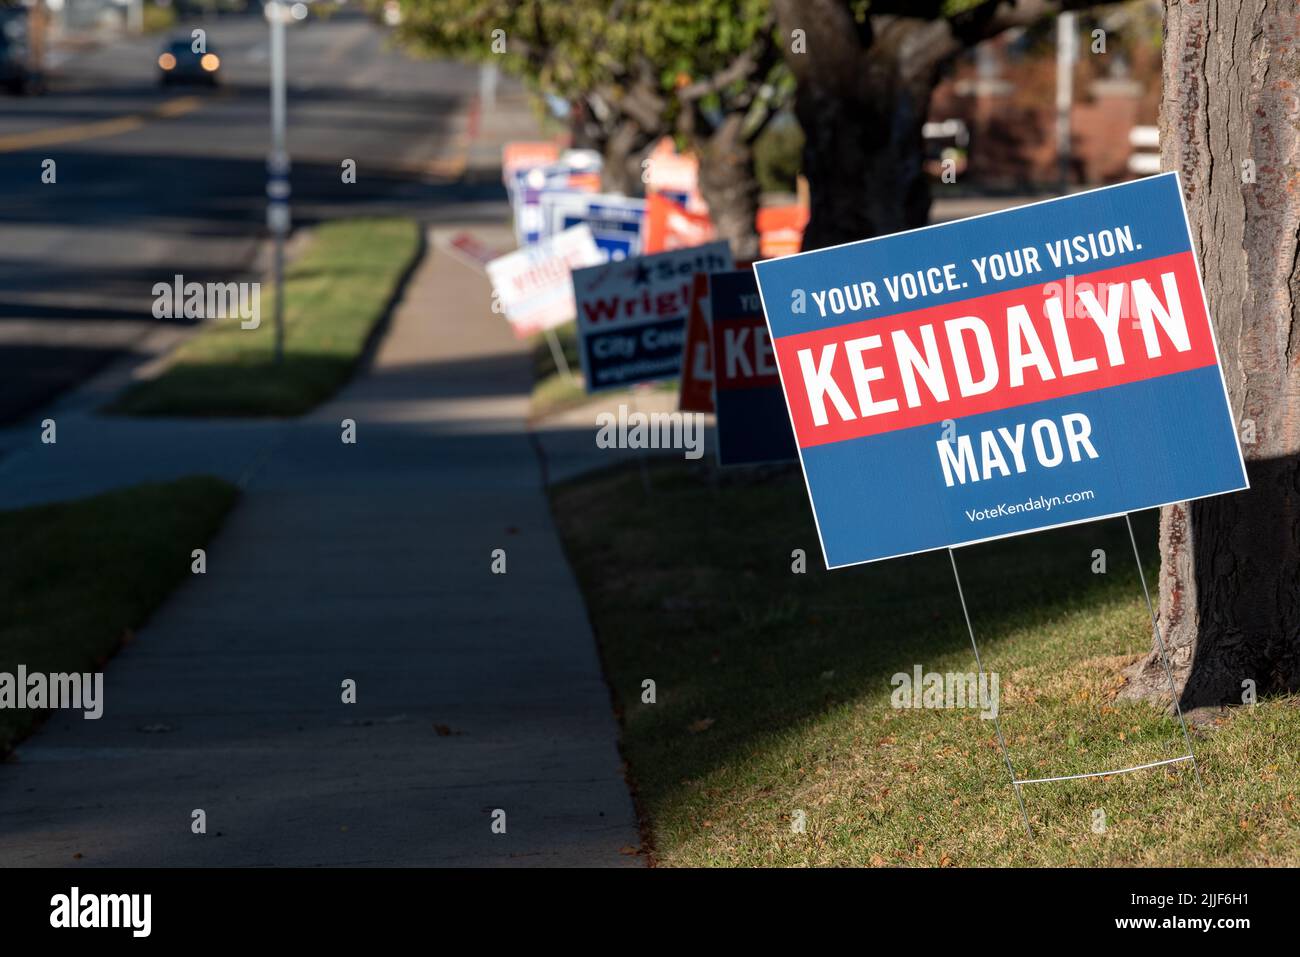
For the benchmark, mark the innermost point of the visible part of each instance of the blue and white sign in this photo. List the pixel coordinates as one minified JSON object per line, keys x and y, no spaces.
{"x":632,"y":314}
{"x":576,"y":171}
{"x":1020,"y":370}
{"x":753,"y":427}
{"x":615,"y":221}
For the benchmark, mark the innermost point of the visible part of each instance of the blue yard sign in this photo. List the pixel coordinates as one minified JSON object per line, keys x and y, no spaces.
{"x":752,"y":426}
{"x":632,"y":314}
{"x":615,"y":221}
{"x":1015,"y":371}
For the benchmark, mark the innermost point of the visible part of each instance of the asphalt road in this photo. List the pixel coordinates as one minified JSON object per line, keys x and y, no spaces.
{"x":152,"y":182}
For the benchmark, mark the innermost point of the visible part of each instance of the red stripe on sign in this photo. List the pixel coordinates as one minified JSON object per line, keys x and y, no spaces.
{"x":1074,"y":334}
{"x":743,"y":357}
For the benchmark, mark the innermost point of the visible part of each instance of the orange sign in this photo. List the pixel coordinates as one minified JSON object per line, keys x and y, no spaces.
{"x":669,"y":226}
{"x":696,"y":393}
{"x":525,"y":155}
{"x":780,"y":230}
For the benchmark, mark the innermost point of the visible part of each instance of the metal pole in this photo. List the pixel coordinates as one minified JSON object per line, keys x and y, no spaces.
{"x":641,"y":458}
{"x":1164,"y":657}
{"x":277,"y":186}
{"x":557,"y":354}
{"x":1065,"y":56}
{"x":487,"y":86}
{"x":996,"y":723}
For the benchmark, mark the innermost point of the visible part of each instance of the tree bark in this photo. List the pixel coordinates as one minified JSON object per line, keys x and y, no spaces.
{"x":623,"y":152}
{"x":729,"y":185}
{"x":863,"y":93}
{"x":863,"y":160}
{"x":621,"y":138}
{"x":1230,"y":565}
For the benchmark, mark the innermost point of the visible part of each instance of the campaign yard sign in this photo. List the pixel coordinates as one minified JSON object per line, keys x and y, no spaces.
{"x":632,"y":314}
{"x":670,"y":225}
{"x":780,"y":229}
{"x":615,"y":221}
{"x":753,"y":426}
{"x":532,"y":284}
{"x":1020,"y":370}
{"x":695,"y":390}
{"x":526,"y":155}
{"x":575,"y":171}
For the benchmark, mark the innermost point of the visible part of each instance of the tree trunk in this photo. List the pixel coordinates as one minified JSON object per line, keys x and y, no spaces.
{"x":623,"y":152}
{"x":863,"y":160}
{"x":729,"y":185}
{"x":1230,"y":565}
{"x":864,"y":90}
{"x":623,"y":129}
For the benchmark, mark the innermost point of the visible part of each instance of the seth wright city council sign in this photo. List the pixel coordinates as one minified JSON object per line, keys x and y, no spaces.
{"x":632,"y":314}
{"x":1015,"y":371}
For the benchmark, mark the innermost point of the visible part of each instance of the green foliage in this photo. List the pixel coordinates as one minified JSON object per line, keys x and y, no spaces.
{"x":572,"y":48}
{"x":157,"y":19}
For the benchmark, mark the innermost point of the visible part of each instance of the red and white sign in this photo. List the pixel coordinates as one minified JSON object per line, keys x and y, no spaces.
{"x":669,"y":226}
{"x":534,"y":284}
{"x":993,"y":352}
{"x":471,"y":250}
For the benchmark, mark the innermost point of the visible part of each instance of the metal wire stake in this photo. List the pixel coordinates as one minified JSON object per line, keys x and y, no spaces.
{"x":996,"y":723}
{"x":1164,"y":656}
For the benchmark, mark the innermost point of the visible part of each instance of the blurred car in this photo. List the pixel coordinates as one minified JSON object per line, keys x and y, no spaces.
{"x":22,"y":47}
{"x":178,"y":63}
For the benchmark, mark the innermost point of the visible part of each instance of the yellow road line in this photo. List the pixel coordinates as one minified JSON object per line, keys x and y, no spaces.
{"x":178,"y":107}
{"x":16,"y":142}
{"x":449,"y":167}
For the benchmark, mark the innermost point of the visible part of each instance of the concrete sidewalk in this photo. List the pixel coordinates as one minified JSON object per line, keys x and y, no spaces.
{"x":369,"y":562}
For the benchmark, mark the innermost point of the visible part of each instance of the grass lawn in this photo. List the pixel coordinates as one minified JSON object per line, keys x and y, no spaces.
{"x":774,"y":692}
{"x":335,"y":295}
{"x":77,"y":578}
{"x":554,"y":391}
